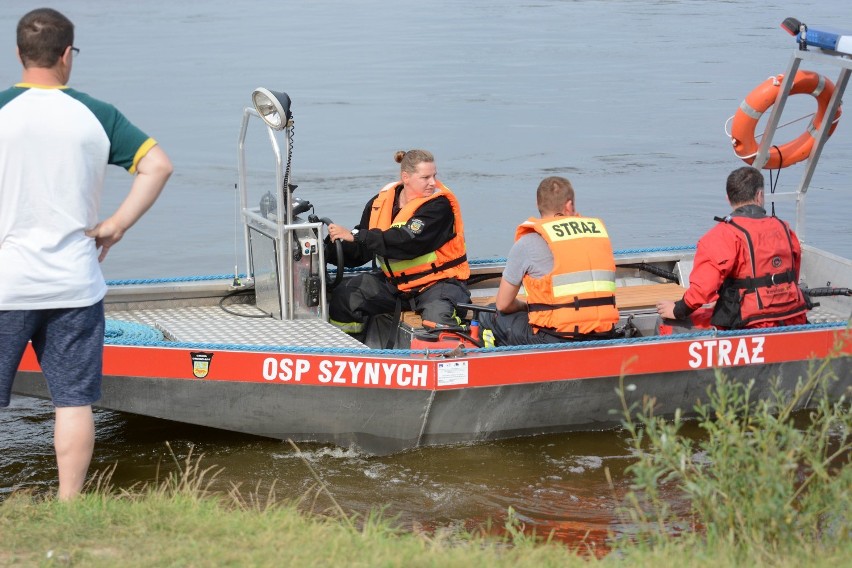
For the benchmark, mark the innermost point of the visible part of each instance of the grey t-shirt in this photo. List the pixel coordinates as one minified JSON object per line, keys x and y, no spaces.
{"x":529,"y":255}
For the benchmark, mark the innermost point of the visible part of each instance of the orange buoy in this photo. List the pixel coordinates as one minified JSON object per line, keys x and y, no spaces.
{"x":760,"y":99}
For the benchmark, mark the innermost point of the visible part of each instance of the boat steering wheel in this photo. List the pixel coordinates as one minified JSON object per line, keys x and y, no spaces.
{"x":331,"y":284}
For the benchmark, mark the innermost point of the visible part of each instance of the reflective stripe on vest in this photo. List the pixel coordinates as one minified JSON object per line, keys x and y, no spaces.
{"x":583,"y":282}
{"x":399,"y":266}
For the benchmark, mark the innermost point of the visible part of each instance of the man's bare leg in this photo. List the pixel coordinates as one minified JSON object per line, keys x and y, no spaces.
{"x":74,"y":440}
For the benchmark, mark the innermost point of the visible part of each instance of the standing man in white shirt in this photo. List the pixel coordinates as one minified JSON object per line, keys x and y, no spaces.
{"x":55,"y":145}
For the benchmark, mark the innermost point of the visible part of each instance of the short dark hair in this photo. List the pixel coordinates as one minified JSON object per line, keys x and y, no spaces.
{"x":743,"y":184}
{"x":43,"y":36}
{"x":552,"y":195}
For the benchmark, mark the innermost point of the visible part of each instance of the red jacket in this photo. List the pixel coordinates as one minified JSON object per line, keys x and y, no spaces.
{"x":749,"y":264}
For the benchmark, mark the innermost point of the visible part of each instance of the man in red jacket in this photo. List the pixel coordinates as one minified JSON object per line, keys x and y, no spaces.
{"x":748,"y":264}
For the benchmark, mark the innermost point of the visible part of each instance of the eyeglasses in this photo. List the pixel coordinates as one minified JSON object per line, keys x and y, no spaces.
{"x":75,"y":50}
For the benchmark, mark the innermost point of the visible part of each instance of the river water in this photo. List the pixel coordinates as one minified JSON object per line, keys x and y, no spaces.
{"x":627,"y":98}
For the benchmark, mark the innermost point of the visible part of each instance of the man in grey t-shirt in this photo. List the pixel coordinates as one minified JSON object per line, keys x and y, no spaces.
{"x":585,"y":284}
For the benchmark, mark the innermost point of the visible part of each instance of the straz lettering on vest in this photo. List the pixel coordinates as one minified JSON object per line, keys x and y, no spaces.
{"x":726,"y":352}
{"x":364,"y":373}
{"x":576,"y":228}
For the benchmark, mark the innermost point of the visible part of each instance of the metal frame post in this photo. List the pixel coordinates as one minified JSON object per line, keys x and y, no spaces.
{"x":821,"y":135}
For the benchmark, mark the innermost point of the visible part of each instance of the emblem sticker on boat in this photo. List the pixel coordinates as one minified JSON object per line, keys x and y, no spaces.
{"x":452,"y":373}
{"x":201,"y":363}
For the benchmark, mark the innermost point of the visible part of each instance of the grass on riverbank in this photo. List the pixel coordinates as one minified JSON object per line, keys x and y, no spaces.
{"x":763,"y":490}
{"x":161,"y":529}
{"x":158,"y":529}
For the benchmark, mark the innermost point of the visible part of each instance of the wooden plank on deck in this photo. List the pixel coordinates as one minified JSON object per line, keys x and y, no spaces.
{"x":647,"y":295}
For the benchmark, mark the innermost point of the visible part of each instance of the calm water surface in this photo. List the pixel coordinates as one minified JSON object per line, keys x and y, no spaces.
{"x":627,"y":98}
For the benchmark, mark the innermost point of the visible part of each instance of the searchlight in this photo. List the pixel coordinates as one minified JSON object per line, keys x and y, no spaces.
{"x":273,"y":107}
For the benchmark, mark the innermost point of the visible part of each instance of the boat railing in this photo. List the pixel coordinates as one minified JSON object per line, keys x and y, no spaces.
{"x":280,"y":248}
{"x":817,"y":56}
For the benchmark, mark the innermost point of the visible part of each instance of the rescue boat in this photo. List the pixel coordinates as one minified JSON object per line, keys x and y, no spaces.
{"x":254,"y":352}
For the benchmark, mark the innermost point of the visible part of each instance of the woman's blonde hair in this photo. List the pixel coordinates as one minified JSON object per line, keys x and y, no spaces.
{"x":408,"y":160}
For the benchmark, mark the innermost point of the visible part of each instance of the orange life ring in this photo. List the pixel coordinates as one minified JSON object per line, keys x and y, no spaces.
{"x":763,"y":97}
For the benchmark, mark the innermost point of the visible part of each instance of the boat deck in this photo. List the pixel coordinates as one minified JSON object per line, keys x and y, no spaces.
{"x":827,"y":314}
{"x":211,"y":324}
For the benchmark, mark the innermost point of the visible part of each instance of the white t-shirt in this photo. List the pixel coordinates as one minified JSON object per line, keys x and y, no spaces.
{"x":55,"y":144}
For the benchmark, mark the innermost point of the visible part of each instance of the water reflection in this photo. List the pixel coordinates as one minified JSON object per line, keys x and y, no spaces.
{"x":553,"y":483}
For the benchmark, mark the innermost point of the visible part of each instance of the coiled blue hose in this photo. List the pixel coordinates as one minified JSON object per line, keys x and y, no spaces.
{"x":116,"y":331}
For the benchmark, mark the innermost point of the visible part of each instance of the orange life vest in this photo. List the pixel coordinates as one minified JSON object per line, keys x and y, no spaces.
{"x":449,"y":261}
{"x":578,"y":295}
{"x":764,"y":284}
